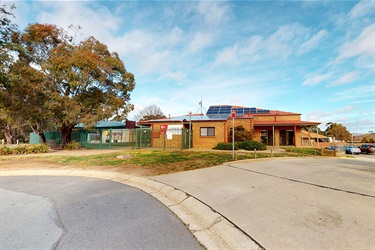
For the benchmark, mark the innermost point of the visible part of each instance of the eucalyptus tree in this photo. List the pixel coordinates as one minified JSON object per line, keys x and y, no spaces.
{"x":56,"y":82}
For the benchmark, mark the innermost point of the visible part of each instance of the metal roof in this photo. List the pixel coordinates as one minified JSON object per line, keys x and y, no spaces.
{"x":194,"y":118}
{"x":104,"y":124}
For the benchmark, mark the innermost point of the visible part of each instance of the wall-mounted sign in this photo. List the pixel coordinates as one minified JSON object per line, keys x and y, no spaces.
{"x":163,"y":129}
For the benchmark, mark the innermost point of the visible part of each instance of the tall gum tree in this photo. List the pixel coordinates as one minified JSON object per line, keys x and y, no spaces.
{"x":81,"y":82}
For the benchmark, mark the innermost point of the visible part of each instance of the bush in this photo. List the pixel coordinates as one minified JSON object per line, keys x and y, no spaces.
{"x":72,"y":145}
{"x":246,"y":145}
{"x":227,"y":146}
{"x":252,"y":145}
{"x":5,"y":151}
{"x":21,"y":150}
{"x":38,"y":148}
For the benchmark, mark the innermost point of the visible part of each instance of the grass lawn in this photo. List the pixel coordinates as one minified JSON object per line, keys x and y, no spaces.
{"x":160,"y":162}
{"x":140,"y":162}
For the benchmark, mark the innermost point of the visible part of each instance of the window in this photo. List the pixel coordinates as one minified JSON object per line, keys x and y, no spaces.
{"x":207,"y":131}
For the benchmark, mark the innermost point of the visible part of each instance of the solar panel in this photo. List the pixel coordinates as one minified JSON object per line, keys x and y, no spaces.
{"x":225,"y":111}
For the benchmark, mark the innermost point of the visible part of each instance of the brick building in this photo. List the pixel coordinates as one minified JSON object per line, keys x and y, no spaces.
{"x":271,"y":127}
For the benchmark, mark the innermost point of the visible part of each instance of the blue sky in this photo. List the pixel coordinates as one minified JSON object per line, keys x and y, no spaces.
{"x":316,"y":58}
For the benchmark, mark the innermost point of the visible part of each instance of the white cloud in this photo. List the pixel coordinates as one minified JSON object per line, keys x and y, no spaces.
{"x":174,"y":76}
{"x":283,"y":42}
{"x":362,"y":47}
{"x":361,"y":9}
{"x":312,"y":42}
{"x":213,"y":12}
{"x":313,"y":79}
{"x":358,"y":92}
{"x":347,"y":78}
{"x":98,"y":22}
{"x":279,"y":45}
{"x":228,"y":56}
{"x":345,"y":110}
{"x":200,"y":41}
{"x":175,"y":36}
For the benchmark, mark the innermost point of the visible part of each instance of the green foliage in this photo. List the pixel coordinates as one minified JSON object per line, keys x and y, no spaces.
{"x":364,"y":140}
{"x":252,"y":145}
{"x":338,"y":131}
{"x":240,"y":134}
{"x":5,"y":151}
{"x":246,"y":145}
{"x":63,"y":82}
{"x":72,"y":145}
{"x":226,"y":146}
{"x":22,"y":150}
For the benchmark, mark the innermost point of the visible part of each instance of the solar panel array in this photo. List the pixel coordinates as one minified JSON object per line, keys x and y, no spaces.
{"x":227,"y":110}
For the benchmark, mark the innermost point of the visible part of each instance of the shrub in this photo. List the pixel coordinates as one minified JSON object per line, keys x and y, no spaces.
{"x":5,"y":151}
{"x":226,"y":146}
{"x":38,"y":148}
{"x":246,"y":145}
{"x":252,"y":145}
{"x":240,"y":134}
{"x":72,"y":145}
{"x":21,"y":150}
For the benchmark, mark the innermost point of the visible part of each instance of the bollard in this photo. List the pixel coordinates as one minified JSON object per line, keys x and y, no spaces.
{"x":255,"y":153}
{"x":3,"y":142}
{"x":271,"y":153}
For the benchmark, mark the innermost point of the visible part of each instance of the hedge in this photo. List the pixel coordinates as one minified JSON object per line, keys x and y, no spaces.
{"x":22,"y":150}
{"x":246,"y":145}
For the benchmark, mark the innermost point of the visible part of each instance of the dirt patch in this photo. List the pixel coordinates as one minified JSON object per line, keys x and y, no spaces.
{"x":36,"y":163}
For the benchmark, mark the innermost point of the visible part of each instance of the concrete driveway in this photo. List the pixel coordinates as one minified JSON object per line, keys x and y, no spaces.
{"x":290,"y":203}
{"x":54,"y":212}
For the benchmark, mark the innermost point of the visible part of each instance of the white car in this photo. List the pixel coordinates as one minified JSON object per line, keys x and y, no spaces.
{"x":352,"y":150}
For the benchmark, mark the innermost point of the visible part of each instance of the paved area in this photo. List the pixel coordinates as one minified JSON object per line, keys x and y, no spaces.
{"x":320,"y":203}
{"x":45,"y":212}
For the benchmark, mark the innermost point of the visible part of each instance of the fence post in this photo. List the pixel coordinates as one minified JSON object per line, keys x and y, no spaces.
{"x":100,"y":139}
{"x":110,"y":138}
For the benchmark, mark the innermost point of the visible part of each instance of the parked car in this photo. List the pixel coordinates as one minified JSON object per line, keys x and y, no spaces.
{"x":367,"y":148}
{"x":337,"y":148}
{"x":352,"y":150}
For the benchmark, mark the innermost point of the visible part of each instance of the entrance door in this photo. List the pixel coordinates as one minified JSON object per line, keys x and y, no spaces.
{"x":266,"y":137}
{"x":290,"y":137}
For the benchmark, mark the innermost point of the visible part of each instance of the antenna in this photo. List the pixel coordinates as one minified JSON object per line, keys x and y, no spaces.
{"x":201,"y":107}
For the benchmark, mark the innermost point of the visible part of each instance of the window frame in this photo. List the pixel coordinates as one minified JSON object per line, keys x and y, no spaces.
{"x":207,"y":131}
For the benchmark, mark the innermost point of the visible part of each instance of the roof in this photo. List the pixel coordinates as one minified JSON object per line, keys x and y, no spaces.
{"x":193,"y":118}
{"x":305,"y":134}
{"x":223,"y":112}
{"x":104,"y":124}
{"x":285,"y":123}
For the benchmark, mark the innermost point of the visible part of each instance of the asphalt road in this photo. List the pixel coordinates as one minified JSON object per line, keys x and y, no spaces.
{"x":295,"y":203}
{"x":85,"y":213}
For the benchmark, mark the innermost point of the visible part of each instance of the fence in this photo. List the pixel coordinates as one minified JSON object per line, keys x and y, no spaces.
{"x":122,"y":138}
{"x":176,"y":138}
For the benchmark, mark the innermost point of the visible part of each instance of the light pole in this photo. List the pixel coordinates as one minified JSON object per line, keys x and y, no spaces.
{"x":190,"y":129}
{"x":233,"y":116}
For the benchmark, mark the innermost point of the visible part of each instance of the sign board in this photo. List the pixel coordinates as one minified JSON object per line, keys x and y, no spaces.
{"x":163,"y":129}
{"x":233,"y":113}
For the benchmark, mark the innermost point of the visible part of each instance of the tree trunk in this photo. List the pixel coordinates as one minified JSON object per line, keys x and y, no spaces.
{"x":8,"y":137}
{"x":43,"y":138}
{"x":66,"y":133}
{"x":8,"y":134}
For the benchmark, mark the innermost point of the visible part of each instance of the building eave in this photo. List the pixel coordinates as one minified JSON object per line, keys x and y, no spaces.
{"x":285,"y":123}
